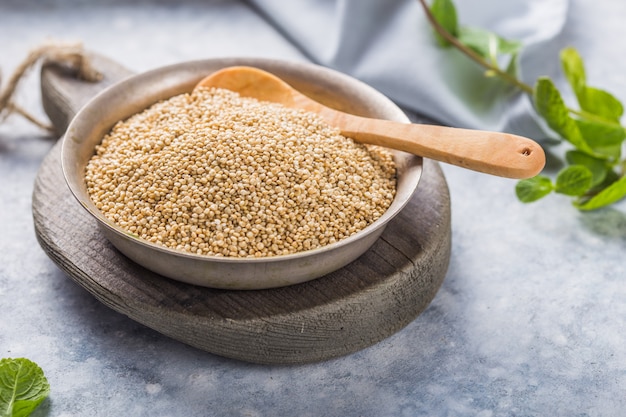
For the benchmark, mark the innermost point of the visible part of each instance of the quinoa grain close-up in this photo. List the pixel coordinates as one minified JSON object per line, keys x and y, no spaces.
{"x":212,"y":173}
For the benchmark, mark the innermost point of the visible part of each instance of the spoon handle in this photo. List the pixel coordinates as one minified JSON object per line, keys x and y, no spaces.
{"x":494,"y":153}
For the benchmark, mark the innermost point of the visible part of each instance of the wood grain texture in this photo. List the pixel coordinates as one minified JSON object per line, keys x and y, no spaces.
{"x":357,"y":306}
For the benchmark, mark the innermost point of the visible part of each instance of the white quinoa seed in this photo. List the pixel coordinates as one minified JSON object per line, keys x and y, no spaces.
{"x":216,"y":174}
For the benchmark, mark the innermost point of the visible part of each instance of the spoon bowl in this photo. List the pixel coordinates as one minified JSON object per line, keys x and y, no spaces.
{"x":494,"y":153}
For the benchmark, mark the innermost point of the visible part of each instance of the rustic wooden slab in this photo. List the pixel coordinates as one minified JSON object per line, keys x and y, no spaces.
{"x":368,"y":300}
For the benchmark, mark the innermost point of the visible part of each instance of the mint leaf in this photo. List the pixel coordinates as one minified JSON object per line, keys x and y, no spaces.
{"x":533,"y":189}
{"x":574,"y":70}
{"x":508,"y":46}
{"x":511,"y":69}
{"x":604,"y":138}
{"x":601,"y":103}
{"x":590,"y":99}
{"x":23,"y":387}
{"x":487,"y":44}
{"x":600,"y":134}
{"x":444,"y":12}
{"x":611,"y":194}
{"x":552,"y":108}
{"x":483,"y":42}
{"x":573,"y":180}
{"x":598,"y":167}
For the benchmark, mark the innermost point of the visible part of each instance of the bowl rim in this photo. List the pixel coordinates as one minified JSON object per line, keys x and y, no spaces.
{"x":415,"y":162}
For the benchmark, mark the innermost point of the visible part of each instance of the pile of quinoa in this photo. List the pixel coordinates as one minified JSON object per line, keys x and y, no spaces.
{"x":213,"y":173}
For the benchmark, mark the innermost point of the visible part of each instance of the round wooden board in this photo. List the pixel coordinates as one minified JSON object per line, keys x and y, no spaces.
{"x":353,"y":308}
{"x":350,"y":309}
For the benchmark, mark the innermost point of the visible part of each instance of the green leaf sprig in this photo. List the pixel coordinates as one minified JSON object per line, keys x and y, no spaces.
{"x":23,"y":387}
{"x":595,"y":172}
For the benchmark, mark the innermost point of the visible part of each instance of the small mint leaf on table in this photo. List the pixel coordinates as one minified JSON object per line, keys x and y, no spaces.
{"x":23,"y":387}
{"x":533,"y":189}
{"x":444,"y":12}
{"x":574,"y":180}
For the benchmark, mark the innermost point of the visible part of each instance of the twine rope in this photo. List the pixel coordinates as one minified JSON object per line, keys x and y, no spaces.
{"x":71,"y":55}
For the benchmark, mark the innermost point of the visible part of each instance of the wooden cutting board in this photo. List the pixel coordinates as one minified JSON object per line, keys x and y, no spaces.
{"x":353,"y":308}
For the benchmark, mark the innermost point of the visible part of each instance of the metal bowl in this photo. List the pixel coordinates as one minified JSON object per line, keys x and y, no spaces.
{"x":138,"y":92}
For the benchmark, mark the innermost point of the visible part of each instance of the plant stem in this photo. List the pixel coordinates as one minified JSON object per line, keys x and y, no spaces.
{"x":504,"y":75}
{"x":471,"y":54}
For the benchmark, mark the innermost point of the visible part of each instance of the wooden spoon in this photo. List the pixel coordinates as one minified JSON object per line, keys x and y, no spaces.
{"x":495,"y":153}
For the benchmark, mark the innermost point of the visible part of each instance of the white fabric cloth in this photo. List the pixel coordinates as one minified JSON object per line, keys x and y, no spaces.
{"x":389,"y":45}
